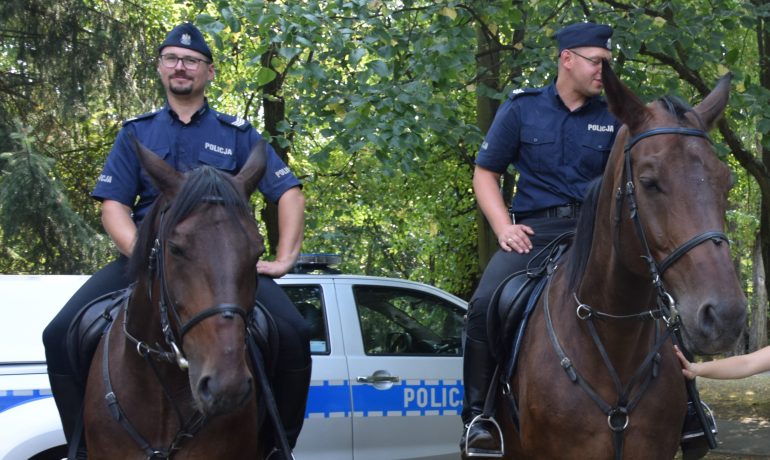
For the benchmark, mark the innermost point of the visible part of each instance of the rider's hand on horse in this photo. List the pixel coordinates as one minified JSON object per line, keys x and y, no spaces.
{"x":516,"y":238}
{"x":274,"y":268}
{"x":688,"y":368}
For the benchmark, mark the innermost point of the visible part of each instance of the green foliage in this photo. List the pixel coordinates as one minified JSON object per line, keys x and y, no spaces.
{"x":37,"y":224}
{"x":380,"y":99}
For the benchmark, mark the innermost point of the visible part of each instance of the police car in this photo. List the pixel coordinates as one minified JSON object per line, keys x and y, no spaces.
{"x":387,"y":367}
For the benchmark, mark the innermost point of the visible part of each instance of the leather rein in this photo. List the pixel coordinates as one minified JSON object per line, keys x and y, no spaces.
{"x":618,"y":413}
{"x":188,"y":428}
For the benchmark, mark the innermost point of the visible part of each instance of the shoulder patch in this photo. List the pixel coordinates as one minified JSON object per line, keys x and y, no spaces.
{"x":523,"y":92}
{"x":238,"y":123}
{"x":142,"y":116}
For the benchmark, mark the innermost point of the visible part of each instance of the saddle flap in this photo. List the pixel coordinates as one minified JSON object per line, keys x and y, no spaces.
{"x":265,"y":332}
{"x":86,"y":329}
{"x":506,"y":310}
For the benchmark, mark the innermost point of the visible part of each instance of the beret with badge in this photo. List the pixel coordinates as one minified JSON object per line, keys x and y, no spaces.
{"x":584,"y":34}
{"x":187,"y":36}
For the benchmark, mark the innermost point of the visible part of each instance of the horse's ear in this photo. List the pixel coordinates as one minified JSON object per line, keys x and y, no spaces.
{"x":712,"y":107}
{"x":165,"y":178}
{"x":252,"y":172}
{"x":622,"y":102}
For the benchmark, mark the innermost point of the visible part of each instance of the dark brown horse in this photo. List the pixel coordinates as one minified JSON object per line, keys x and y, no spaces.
{"x":171,"y":376}
{"x":597,"y":377}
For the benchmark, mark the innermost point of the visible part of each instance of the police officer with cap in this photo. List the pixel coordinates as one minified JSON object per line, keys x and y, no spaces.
{"x":187,"y":133}
{"x":558,"y":139}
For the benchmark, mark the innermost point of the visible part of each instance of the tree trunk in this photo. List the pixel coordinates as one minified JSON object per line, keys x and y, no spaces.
{"x":274,"y":108}
{"x":758,"y":328}
{"x":488,"y":65}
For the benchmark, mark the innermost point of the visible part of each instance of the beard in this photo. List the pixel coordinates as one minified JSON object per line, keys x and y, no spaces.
{"x":180,"y":90}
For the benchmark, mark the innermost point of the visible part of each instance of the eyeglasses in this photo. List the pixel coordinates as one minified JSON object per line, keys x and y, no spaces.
{"x":593,"y":61}
{"x":170,"y":61}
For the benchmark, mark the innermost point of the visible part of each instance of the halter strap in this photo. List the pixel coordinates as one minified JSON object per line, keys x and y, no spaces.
{"x":657,"y":131}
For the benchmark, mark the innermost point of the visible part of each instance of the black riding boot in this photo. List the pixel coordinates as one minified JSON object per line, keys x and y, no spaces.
{"x":68,"y":395}
{"x":694,"y":442}
{"x":483,"y":436}
{"x":290,"y":391}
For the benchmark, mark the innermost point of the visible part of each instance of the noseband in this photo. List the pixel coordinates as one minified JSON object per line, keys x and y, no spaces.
{"x":665,"y":300}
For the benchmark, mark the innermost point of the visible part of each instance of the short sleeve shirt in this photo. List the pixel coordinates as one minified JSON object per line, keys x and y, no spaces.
{"x":211,"y":138}
{"x":557,"y":153}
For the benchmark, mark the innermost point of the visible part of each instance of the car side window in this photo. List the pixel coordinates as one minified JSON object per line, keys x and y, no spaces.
{"x":398,"y":321}
{"x":309,"y":301}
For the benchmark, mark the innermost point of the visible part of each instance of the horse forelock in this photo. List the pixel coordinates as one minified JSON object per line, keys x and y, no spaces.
{"x":205,"y":185}
{"x":681,"y":111}
{"x":202,"y":185}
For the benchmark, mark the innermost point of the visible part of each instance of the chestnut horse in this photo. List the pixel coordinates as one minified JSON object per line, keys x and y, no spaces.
{"x":171,"y":377}
{"x":597,"y":377}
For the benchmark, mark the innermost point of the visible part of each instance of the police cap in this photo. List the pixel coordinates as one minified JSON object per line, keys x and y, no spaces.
{"x":584,"y":34}
{"x":187,"y":36}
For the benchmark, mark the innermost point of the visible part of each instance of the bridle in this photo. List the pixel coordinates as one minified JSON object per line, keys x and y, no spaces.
{"x":618,"y":414}
{"x":166,"y":302}
{"x":187,"y":427}
{"x":665,"y":300}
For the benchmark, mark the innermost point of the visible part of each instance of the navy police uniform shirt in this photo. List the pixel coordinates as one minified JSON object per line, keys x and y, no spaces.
{"x":211,"y":138}
{"x":557,"y":153}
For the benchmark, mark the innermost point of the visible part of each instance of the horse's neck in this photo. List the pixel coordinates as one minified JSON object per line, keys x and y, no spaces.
{"x":608,"y":286}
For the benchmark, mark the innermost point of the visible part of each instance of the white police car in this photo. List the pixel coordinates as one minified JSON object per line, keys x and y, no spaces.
{"x":387,"y":367}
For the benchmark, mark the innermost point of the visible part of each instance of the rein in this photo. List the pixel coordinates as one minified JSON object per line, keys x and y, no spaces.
{"x":618,"y":414}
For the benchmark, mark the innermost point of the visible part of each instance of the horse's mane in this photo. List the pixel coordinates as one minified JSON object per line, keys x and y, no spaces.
{"x":584,"y":235}
{"x":679,"y":109}
{"x":202,"y":185}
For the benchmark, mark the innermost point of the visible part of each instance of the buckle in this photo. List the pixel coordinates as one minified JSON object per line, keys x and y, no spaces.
{"x":484,"y":453}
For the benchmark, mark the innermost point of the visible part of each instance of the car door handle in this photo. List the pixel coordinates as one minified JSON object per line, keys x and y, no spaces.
{"x":378,"y":379}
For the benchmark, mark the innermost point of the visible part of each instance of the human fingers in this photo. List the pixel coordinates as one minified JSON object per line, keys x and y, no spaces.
{"x":687,"y":367}
{"x":516,"y":239}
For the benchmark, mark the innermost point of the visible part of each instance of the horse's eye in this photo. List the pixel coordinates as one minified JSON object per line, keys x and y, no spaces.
{"x":649,"y":184}
{"x":175,"y":250}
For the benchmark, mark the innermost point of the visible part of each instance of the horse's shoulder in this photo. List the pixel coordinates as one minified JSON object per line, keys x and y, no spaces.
{"x":523,"y":92}
{"x":144,"y":116}
{"x":241,"y":124}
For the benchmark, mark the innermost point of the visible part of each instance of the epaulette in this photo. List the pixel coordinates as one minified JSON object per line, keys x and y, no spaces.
{"x":142,"y":116}
{"x":523,"y":92}
{"x":238,"y":123}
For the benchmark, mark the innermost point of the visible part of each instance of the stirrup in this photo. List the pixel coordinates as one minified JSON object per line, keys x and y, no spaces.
{"x":276,"y":450}
{"x":698,"y":432}
{"x":481,"y":453}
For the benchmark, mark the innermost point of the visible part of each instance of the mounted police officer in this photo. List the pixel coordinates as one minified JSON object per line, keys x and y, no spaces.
{"x":187,"y":133}
{"x":558,"y":138}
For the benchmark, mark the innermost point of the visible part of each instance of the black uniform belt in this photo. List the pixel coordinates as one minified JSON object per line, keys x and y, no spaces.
{"x":567,"y":211}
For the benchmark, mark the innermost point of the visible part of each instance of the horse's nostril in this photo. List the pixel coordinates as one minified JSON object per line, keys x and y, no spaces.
{"x":204,"y":389}
{"x":706,"y":317}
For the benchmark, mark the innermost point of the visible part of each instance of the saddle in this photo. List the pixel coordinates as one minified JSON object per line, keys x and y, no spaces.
{"x":509,"y":310}
{"x":514,"y":299}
